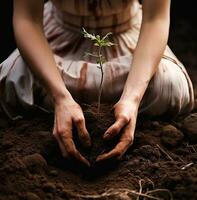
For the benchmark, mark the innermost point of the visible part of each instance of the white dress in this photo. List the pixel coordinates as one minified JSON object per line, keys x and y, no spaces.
{"x":170,"y":91}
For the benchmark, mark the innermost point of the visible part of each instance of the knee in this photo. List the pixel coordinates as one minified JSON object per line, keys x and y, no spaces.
{"x":168,"y":92}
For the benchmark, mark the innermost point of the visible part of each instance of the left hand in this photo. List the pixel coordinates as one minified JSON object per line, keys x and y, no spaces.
{"x":125,"y":115}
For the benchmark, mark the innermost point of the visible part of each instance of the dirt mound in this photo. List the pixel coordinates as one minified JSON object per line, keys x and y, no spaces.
{"x":171,"y":136}
{"x":161,"y":160}
{"x":190,"y":127}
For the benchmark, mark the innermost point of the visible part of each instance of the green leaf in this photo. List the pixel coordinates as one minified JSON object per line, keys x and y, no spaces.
{"x":88,"y":35}
{"x":96,"y":44}
{"x":91,"y":54}
{"x":98,"y":37}
{"x":106,"y":36}
{"x":109,"y":44}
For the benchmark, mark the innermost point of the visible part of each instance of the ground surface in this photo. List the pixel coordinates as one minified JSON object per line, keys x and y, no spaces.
{"x":164,"y":154}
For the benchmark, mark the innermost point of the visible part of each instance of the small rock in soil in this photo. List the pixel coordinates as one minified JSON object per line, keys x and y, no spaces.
{"x":59,"y":186}
{"x":190,"y":127}
{"x":156,"y":124}
{"x":48,"y":187}
{"x":53,"y":173}
{"x":171,"y":136}
{"x":123,"y":197}
{"x":35,"y":162}
{"x":31,"y":196}
{"x":49,"y":196}
{"x":43,"y":133}
{"x":65,"y":194}
{"x":133,"y":163}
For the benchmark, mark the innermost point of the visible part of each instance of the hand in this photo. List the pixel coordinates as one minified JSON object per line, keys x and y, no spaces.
{"x":125,"y":115}
{"x":67,"y":112}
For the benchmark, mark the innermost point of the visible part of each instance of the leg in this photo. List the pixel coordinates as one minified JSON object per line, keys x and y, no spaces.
{"x":169,"y":92}
{"x":17,"y":86}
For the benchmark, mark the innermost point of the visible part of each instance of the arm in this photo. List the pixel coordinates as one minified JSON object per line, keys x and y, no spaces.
{"x":150,"y":47}
{"x":33,"y":46}
{"x":149,"y":50}
{"x":27,"y":21}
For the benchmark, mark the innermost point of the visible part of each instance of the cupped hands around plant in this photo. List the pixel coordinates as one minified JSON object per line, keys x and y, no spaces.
{"x":69,"y":113}
{"x":125,"y":111}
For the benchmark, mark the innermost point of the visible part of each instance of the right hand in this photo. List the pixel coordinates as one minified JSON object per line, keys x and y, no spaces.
{"x":67,"y":113}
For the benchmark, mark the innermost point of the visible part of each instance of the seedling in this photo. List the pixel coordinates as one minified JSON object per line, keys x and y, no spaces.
{"x":99,"y":42}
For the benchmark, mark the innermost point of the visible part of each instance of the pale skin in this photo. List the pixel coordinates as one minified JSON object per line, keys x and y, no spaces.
{"x":34,"y":48}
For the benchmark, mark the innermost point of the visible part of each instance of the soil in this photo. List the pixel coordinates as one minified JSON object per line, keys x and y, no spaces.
{"x":161,"y":163}
{"x":162,"y":157}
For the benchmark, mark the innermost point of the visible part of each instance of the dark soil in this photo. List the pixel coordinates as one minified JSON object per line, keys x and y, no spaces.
{"x":163,"y":156}
{"x":97,"y":124}
{"x":31,"y":165}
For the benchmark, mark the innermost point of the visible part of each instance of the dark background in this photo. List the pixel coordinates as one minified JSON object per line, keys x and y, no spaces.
{"x":183,"y":31}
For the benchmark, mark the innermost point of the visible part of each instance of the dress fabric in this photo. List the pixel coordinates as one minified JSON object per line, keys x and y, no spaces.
{"x":170,"y":90}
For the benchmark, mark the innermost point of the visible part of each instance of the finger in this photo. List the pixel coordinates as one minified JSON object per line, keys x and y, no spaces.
{"x":112,"y":154}
{"x":115,"y":129}
{"x":82,"y":132}
{"x":125,"y":142}
{"x":116,"y":153}
{"x":64,"y":136}
{"x":77,"y":155}
{"x":61,"y":145}
{"x":72,"y":151}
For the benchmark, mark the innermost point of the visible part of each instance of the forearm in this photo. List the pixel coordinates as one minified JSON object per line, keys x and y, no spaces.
{"x":36,"y":52}
{"x":151,"y":45}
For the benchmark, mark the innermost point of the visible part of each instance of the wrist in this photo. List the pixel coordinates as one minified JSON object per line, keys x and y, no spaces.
{"x":61,"y":95}
{"x":131,"y":106}
{"x":133,"y":99}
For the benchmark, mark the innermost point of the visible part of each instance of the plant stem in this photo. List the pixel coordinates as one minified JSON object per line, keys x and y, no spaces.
{"x":99,"y":42}
{"x":101,"y":82}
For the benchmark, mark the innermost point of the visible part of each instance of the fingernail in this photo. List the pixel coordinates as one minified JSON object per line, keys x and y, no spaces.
{"x":98,"y":159}
{"x":88,"y":164}
{"x":106,"y":136}
{"x":88,"y":143}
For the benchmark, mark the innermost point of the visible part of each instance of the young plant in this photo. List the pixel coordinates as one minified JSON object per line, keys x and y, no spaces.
{"x":99,"y":42}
